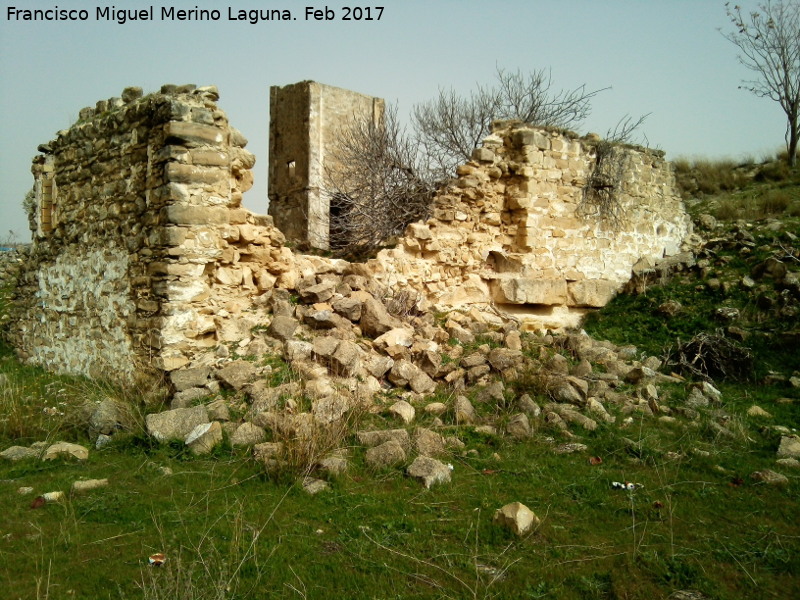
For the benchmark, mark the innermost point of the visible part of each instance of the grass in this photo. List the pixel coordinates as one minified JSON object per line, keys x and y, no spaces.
{"x":744,"y":190}
{"x":229,"y":529}
{"x":388,"y":538}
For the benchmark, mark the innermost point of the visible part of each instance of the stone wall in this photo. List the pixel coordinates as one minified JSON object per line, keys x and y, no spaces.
{"x":141,"y":249}
{"x":521,"y":227}
{"x":144,"y":258}
{"x":305,"y":121}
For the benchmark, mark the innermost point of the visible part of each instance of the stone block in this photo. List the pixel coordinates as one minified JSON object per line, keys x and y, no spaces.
{"x":175,"y":424}
{"x":380,"y":436}
{"x":591,"y":292}
{"x":517,"y":517}
{"x":196,"y":133}
{"x":204,"y":438}
{"x":530,"y":291}
{"x":187,"y":378}
{"x":388,"y":454}
{"x":196,"y":215}
{"x":483,"y":155}
{"x":180,"y":173}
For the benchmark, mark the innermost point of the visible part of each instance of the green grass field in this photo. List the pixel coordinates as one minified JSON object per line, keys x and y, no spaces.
{"x":230,"y":530}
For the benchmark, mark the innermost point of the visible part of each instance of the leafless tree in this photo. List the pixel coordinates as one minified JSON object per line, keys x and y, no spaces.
{"x":377,"y":184}
{"x":450,"y":127}
{"x":769,"y":44}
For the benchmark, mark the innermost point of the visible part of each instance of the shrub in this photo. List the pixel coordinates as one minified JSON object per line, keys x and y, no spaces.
{"x":708,"y":177}
{"x":727,"y":210}
{"x":774,"y":202}
{"x":773,"y":171}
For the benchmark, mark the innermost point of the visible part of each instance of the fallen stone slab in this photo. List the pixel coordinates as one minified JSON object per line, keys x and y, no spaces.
{"x":388,"y":454}
{"x":313,"y":486}
{"x":769,"y":477}
{"x":330,"y":408}
{"x":333,"y":466}
{"x":519,"y":427}
{"x":283,"y":327}
{"x":65,"y":449}
{"x":380,"y":436}
{"x":184,"y":379}
{"x":375,"y":319}
{"x":428,"y":443}
{"x":15,"y":453}
{"x":570,"y":448}
{"x":464,"y":411}
{"x":237,"y":374}
{"x":247,"y":434}
{"x":175,"y":424}
{"x":403,"y":410}
{"x":789,"y":447}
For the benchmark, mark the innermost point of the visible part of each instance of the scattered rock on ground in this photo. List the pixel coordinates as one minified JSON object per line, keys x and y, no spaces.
{"x":65,"y":449}
{"x":789,"y":447}
{"x":429,"y":471}
{"x":15,"y":453}
{"x":516,"y":517}
{"x":387,"y":454}
{"x":204,"y":438}
{"x":87,"y":485}
{"x":769,"y":477}
{"x":175,"y":424}
{"x":403,"y":410}
{"x":314,"y":486}
{"x":248,"y":434}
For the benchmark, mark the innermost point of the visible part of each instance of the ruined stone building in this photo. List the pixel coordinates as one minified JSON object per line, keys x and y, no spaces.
{"x":143,"y":256}
{"x":534,"y":227}
{"x":305,"y":120}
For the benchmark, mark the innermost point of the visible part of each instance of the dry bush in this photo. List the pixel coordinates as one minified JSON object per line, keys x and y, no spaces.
{"x":773,"y":171}
{"x":712,"y":355}
{"x":706,"y":177}
{"x":451,"y":126}
{"x":606,"y":181}
{"x":774,"y":202}
{"x":377,"y":186}
{"x":304,"y":441}
{"x":728,"y":210}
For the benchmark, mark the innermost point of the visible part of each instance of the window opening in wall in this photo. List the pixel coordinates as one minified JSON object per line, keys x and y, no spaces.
{"x":290,"y":168}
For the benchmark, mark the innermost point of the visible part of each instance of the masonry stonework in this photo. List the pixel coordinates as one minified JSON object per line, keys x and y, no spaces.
{"x":305,"y":120}
{"x":144,"y":259}
{"x":141,"y":237}
{"x":518,"y":228}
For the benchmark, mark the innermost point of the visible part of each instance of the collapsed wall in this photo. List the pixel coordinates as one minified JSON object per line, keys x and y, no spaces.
{"x":142,"y":254}
{"x":541,"y":225}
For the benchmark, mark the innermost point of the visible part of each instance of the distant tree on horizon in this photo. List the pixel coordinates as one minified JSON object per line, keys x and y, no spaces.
{"x":769,"y":43}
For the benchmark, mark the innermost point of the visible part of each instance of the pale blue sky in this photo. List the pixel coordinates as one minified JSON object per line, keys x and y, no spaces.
{"x":664,"y":57}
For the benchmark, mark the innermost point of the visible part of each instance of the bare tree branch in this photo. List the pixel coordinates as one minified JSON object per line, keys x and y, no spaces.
{"x":450,"y":127}
{"x":379,"y":185}
{"x":769,"y":45}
